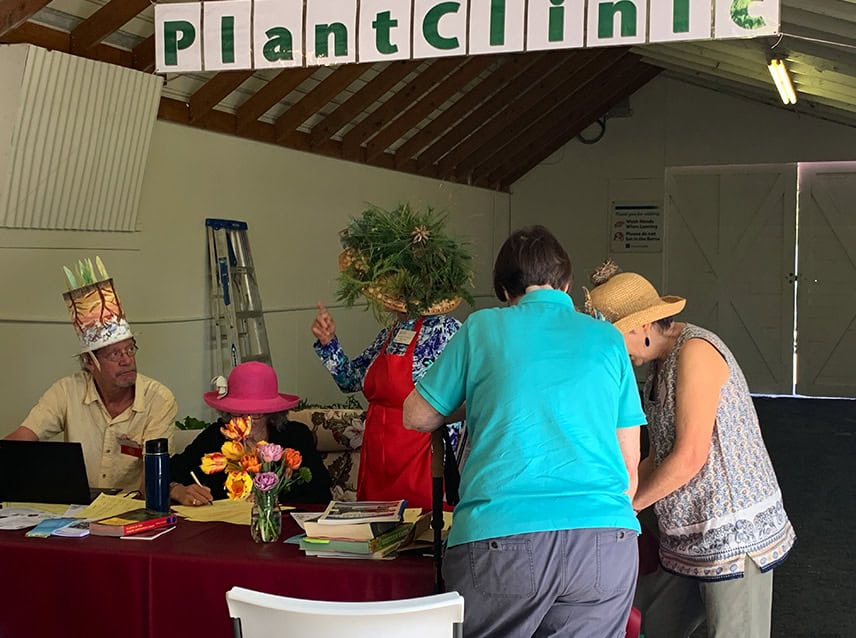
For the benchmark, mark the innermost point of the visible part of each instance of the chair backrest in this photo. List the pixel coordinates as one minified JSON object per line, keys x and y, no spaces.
{"x":259,"y":615}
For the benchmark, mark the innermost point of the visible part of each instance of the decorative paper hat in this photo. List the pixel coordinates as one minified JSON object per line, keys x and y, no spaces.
{"x":96,"y":313}
{"x":403,"y":260}
{"x":628,"y":300}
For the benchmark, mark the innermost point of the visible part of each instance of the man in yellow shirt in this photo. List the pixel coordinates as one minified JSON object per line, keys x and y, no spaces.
{"x":108,"y":407}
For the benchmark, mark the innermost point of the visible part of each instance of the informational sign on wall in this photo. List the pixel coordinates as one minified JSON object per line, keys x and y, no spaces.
{"x":636,"y":228}
{"x":256,"y":34}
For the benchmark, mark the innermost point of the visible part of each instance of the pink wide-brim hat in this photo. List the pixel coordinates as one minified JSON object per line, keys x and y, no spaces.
{"x":252,"y":389}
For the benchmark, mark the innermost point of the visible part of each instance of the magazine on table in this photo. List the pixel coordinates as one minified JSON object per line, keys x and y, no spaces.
{"x":349,"y":512}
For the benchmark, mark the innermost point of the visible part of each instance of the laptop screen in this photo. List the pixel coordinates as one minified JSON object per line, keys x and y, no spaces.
{"x":43,"y":472}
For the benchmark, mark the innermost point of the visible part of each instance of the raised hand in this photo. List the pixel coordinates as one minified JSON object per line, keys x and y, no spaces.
{"x":323,"y":327}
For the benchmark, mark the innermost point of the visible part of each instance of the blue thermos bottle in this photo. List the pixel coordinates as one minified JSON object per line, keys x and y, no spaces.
{"x":157,"y":475}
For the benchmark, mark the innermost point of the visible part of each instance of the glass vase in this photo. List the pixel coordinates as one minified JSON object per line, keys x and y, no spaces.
{"x":265,"y":518}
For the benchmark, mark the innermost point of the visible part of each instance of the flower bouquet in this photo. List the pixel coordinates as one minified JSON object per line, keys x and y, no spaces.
{"x":263,"y":470}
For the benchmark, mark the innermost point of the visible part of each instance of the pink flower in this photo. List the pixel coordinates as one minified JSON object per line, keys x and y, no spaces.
{"x":265,"y":481}
{"x":269,"y":452}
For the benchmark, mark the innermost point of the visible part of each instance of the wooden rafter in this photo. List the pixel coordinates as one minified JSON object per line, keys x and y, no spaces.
{"x":354,"y":105}
{"x":270,"y":94}
{"x":103,"y":22}
{"x":542,"y":101}
{"x":376,"y":120}
{"x":508,"y":68}
{"x":317,"y":98}
{"x":620,"y":85}
{"x":14,"y":13}
{"x":144,"y":55}
{"x":452,"y":140}
{"x":426,"y":105}
{"x":213,"y":91}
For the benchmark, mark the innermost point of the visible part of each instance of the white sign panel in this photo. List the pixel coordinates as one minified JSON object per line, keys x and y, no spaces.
{"x":277,"y":33}
{"x":315,"y":32}
{"x":227,"y":45}
{"x":331,"y":32}
{"x":178,"y":37}
{"x":385,"y":27}
{"x":439,"y":29}
{"x":636,"y":228}
{"x":497,"y":26}
{"x":559,"y":26}
{"x":685,"y":20}
{"x":746,"y":18}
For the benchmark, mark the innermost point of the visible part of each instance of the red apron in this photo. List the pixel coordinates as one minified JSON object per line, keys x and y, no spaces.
{"x":394,"y":463}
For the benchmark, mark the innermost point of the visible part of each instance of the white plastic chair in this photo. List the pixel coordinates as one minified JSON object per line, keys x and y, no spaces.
{"x":258,"y":615}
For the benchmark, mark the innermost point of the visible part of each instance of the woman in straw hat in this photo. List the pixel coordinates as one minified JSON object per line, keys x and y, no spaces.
{"x":413,"y":273}
{"x":723,"y":527}
{"x":251,"y":391}
{"x":544,"y":537}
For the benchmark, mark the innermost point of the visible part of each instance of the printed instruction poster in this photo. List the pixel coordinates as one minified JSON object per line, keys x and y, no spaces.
{"x":636,"y":228}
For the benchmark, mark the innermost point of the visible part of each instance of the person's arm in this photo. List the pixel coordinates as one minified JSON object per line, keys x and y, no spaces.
{"x":348,"y":373}
{"x":182,"y":487}
{"x":420,"y":415}
{"x":22,"y":433}
{"x":628,"y":441}
{"x":702,"y":372}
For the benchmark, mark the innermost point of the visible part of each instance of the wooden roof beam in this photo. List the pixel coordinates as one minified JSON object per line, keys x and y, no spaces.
{"x":144,"y":55}
{"x":361,"y":100}
{"x":213,"y":91}
{"x":312,"y":102}
{"x":270,"y":94}
{"x":14,"y":13}
{"x":429,"y":103}
{"x":436,"y":72}
{"x":542,"y":65}
{"x":103,"y":22}
{"x":608,"y":94}
{"x":570,"y":79}
{"x":509,"y":67}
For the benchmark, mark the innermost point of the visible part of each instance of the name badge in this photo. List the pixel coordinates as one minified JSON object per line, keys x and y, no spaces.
{"x":404,"y":337}
{"x":130,"y":447}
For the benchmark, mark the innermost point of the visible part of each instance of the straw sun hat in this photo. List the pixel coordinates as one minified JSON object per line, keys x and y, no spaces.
{"x":628,"y":300}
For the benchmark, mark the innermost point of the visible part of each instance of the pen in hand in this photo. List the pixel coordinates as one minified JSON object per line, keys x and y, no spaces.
{"x":196,"y":480}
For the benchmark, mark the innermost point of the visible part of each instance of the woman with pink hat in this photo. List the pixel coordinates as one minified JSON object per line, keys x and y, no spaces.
{"x":252,"y":391}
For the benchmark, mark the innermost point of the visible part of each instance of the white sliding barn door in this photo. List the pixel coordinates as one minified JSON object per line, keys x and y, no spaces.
{"x":826,"y":298}
{"x":730,"y":252}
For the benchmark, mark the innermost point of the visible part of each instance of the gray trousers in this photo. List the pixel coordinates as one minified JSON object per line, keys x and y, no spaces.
{"x":673,"y":606}
{"x":571,"y":583}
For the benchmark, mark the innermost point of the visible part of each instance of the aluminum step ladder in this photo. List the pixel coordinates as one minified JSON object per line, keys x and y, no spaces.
{"x":238,"y":324}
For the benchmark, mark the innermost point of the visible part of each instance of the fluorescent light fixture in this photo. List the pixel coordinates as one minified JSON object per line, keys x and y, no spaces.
{"x":782,"y":79}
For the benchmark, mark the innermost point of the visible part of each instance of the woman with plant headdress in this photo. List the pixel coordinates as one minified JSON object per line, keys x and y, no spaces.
{"x":405,"y":264}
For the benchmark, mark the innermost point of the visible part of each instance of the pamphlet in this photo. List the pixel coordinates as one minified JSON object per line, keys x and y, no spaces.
{"x":348,"y":512}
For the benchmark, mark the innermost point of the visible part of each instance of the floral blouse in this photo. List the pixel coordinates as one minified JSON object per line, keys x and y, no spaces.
{"x":349,"y":373}
{"x":731,"y":509}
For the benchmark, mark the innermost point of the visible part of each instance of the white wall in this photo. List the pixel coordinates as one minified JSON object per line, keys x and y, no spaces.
{"x":294,"y":203}
{"x":673,"y":124}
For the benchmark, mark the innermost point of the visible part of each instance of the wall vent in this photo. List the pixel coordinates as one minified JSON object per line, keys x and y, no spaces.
{"x":74,"y":138}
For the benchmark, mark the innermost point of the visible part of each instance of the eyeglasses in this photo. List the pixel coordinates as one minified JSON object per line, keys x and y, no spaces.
{"x":116,"y":355}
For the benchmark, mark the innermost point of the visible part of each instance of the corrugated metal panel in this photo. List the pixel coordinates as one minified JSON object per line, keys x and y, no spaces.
{"x":79,"y":144}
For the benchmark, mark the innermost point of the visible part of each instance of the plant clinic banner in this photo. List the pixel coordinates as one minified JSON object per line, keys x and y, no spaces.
{"x":259,"y":34}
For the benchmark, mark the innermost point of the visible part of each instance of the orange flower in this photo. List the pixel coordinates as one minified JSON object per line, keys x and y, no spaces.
{"x":292,"y":457}
{"x":232,"y":450}
{"x":250,"y":463}
{"x":213,"y":462}
{"x":239,"y":485}
{"x":238,"y":428}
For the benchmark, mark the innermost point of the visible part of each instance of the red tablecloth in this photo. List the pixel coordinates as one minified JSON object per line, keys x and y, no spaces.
{"x":175,"y":585}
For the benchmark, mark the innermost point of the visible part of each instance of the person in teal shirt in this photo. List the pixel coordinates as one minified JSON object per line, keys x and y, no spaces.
{"x":544,"y":537}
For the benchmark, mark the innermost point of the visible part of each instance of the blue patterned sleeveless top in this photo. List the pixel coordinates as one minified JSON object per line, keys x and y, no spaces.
{"x":733,"y":507}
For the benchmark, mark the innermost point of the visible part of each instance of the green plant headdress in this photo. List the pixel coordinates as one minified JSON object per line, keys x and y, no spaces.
{"x":402,"y":259}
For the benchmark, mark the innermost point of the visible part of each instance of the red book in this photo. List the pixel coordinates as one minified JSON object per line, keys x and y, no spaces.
{"x":132,"y":522}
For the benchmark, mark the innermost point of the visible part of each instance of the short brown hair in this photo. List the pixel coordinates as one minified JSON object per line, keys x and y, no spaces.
{"x":531,"y":256}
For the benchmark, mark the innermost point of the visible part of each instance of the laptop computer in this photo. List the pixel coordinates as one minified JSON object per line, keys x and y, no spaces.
{"x":45,"y":472}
